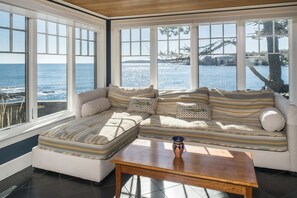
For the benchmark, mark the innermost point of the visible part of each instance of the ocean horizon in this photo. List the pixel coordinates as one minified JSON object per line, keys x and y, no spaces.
{"x":52,"y":78}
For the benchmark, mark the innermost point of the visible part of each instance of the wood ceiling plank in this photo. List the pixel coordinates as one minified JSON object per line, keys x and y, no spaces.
{"x":121,"y":8}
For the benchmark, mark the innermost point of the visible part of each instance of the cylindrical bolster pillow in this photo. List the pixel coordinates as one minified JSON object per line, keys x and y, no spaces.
{"x":95,"y":106}
{"x":272,"y":119}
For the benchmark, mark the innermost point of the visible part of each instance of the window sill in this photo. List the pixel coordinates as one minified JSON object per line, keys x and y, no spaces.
{"x":23,"y":131}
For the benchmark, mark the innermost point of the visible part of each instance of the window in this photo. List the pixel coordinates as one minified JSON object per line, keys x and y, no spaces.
{"x":13,"y":66}
{"x":174,"y":57}
{"x":135,"y":57}
{"x":85,"y":67}
{"x":267,"y":55}
{"x":217,"y":55}
{"x":52,"y":67}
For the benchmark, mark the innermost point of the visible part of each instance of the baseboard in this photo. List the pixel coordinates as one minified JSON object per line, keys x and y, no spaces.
{"x":15,"y":165}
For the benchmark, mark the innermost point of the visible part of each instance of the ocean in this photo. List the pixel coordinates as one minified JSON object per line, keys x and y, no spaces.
{"x":52,"y":78}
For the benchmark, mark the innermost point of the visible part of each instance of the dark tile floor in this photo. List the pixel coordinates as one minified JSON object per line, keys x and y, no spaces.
{"x":36,"y":183}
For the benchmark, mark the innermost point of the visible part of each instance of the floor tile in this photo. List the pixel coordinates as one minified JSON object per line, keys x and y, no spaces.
{"x":181,"y":191}
{"x":156,"y":194}
{"x":75,"y":186}
{"x":138,"y":186}
{"x":19,"y":193}
{"x":84,"y":194}
{"x":45,"y":191}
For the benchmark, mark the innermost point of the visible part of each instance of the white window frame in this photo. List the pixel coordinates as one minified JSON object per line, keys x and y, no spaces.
{"x":35,"y":9}
{"x":287,"y":12}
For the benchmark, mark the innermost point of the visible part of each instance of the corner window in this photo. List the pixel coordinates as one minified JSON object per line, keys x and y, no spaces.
{"x":85,"y":61}
{"x":13,"y":67}
{"x":217,"y":55}
{"x":267,"y":48}
{"x":135,"y":57}
{"x":52,"y":67}
{"x":174,"y":57}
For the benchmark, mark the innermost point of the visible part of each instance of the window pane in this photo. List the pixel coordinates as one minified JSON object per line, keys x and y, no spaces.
{"x":217,"y":46}
{"x":173,"y":33}
{"x":84,"y":48}
{"x":125,"y":49}
{"x":251,"y":45}
{"x":185,"y":46}
{"x":184,"y":32}
{"x":52,"y":28}
{"x":173,"y":47}
{"x":12,"y":89}
{"x":52,"y":44}
{"x":62,"y":45}
{"x":162,"y":47}
{"x":4,"y":19}
{"x":91,"y":48}
{"x":213,"y":75}
{"x":84,"y":34}
{"x":41,"y":45}
{"x":283,"y":44}
{"x":91,"y":36}
{"x":230,"y":45}
{"x":125,"y":35}
{"x":51,"y":84}
{"x":203,"y":31}
{"x":77,"y":32}
{"x":230,"y":30}
{"x":4,"y":40}
{"x":18,"y":22}
{"x":135,"y":71}
{"x":41,"y":26}
{"x":162,"y":33}
{"x":145,"y":34}
{"x":18,"y":41}
{"x":251,"y":28}
{"x":62,"y":30}
{"x":145,"y":48}
{"x":135,"y":34}
{"x":204,"y":46}
{"x":84,"y":74}
{"x":216,"y":30}
{"x":77,"y":47}
{"x":135,"y":48}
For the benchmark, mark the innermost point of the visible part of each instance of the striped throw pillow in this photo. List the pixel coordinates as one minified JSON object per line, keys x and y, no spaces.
{"x":198,"y":111}
{"x":239,"y":106}
{"x":119,"y":97}
{"x":167,"y":99}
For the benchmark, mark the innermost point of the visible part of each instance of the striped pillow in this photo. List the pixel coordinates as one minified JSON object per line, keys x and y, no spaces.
{"x":168,"y":99}
{"x":119,"y":97}
{"x":239,"y":106}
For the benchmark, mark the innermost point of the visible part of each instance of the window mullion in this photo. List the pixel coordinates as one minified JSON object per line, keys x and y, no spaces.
{"x":32,"y":70}
{"x":293,"y":60}
{"x":241,"y":59}
{"x":194,"y":56}
{"x":154,"y":56}
{"x":70,"y":68}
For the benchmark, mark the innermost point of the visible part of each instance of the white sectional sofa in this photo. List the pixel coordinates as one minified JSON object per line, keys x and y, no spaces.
{"x":83,"y":147}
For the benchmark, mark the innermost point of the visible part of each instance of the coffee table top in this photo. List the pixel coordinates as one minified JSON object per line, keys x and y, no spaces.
{"x":199,"y":162}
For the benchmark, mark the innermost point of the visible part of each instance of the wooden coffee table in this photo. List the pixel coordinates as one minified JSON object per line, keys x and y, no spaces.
{"x":217,"y":169}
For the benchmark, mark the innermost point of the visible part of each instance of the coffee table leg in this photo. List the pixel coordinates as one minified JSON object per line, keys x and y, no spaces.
{"x":248,"y":192}
{"x":118,"y":181}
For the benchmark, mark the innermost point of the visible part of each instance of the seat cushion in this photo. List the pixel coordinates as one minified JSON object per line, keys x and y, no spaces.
{"x":97,"y":136}
{"x":224,"y":133}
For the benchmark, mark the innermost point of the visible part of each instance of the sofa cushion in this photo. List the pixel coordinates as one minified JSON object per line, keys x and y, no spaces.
{"x":142,"y":105}
{"x":97,"y":137}
{"x":167,"y":99}
{"x":95,"y":106}
{"x":198,"y":111}
{"x":242,"y":106}
{"x":119,"y":97}
{"x":272,"y":119}
{"x":223,"y":133}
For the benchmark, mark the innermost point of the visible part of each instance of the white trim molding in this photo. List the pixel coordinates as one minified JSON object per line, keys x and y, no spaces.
{"x":293,"y":60}
{"x":12,"y":167}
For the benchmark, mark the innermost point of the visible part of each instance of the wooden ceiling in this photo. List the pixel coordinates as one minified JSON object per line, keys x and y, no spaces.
{"x":122,"y":8}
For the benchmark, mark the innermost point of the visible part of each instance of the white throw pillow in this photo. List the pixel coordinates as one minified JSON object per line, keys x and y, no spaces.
{"x":95,"y":106}
{"x":272,"y":119}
